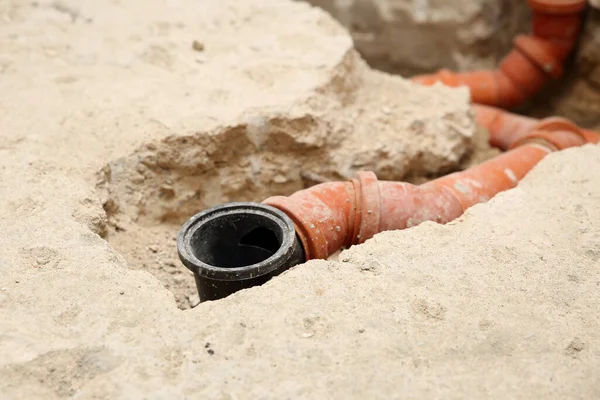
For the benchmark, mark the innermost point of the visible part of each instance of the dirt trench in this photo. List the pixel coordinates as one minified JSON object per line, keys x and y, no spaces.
{"x":148,"y":194}
{"x":121,"y":119}
{"x":360,"y":119}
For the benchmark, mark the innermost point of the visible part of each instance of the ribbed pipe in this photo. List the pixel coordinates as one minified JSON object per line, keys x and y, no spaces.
{"x":336,"y":215}
{"x":535,"y":59}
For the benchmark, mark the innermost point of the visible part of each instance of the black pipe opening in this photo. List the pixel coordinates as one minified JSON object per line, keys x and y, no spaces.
{"x":236,"y":246}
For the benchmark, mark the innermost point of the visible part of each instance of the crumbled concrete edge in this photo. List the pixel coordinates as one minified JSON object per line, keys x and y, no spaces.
{"x":359,"y":119}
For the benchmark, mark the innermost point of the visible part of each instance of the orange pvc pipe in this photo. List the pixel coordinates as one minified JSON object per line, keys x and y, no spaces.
{"x":324,"y":216}
{"x":534,"y":60}
{"x":591,"y":136}
{"x":330,"y":216}
{"x":506,"y":128}
{"x":557,"y":6}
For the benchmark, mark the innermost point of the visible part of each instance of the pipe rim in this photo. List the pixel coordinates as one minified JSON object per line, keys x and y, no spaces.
{"x":558,"y":6}
{"x":276,"y":261}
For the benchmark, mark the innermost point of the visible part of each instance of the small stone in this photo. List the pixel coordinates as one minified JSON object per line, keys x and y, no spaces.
{"x":42,"y":261}
{"x":198,"y":45}
{"x":138,"y":179}
{"x":280,"y":179}
{"x":121,"y":293}
{"x":153,"y":248}
{"x":166,"y":192}
{"x":371,"y":266}
{"x":141,"y":168}
{"x":576,"y":346}
{"x":193,"y":300}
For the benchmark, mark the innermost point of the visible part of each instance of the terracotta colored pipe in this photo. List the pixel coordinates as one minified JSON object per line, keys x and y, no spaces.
{"x":335,"y":215}
{"x":530,"y":65}
{"x":506,"y":128}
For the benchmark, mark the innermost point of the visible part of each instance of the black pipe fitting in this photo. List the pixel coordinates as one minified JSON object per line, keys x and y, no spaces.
{"x":236,"y":246}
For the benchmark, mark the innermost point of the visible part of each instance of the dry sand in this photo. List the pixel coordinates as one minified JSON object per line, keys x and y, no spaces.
{"x":118,"y":121}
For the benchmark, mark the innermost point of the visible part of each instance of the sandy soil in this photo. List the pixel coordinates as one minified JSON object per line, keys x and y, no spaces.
{"x":114,"y":132}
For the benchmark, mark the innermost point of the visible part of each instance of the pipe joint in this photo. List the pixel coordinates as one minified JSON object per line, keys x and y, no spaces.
{"x":334,"y":215}
{"x":555,"y":133}
{"x":368,"y":206}
{"x":545,"y":54}
{"x":557,"y":6}
{"x":325,"y":216}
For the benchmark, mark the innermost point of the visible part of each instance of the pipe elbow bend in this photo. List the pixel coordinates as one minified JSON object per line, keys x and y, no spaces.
{"x":334,"y":215}
{"x":322,"y":216}
{"x":556,"y":134}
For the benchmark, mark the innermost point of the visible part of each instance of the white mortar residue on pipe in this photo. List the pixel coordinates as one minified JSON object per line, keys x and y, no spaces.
{"x":461,"y":188}
{"x":511,"y":175}
{"x":474,"y":183}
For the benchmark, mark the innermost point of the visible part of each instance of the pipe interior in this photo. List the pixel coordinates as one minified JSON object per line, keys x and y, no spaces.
{"x":236,"y":240}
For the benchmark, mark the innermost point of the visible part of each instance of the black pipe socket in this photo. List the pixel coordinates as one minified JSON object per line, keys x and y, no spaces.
{"x":236,"y":246}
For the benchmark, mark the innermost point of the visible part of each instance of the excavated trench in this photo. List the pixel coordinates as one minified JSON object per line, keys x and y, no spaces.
{"x":149,"y":194}
{"x":355,"y":119}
